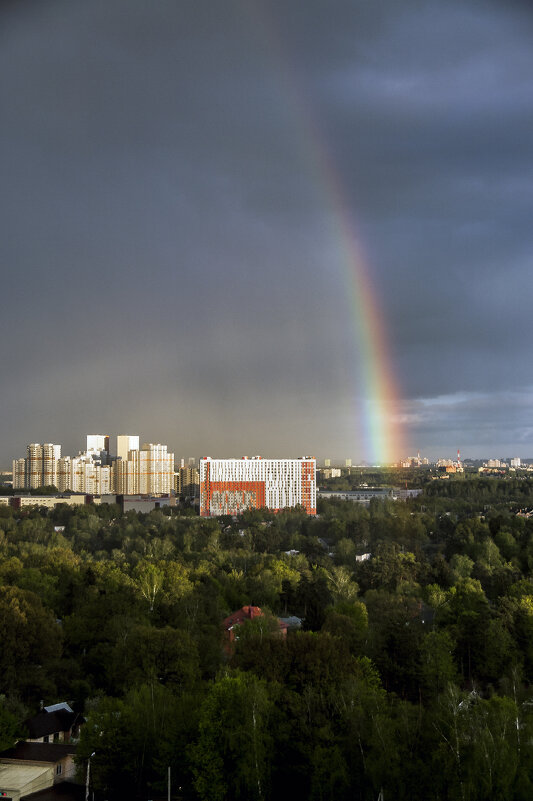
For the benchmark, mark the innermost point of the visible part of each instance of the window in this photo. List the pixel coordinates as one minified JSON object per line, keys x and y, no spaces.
{"x":59,"y":769}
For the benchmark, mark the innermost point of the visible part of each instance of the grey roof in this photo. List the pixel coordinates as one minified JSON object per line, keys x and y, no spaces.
{"x":39,"y":752}
{"x":56,"y":707}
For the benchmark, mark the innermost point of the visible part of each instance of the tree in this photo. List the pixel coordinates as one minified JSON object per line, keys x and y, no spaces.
{"x":135,"y":739}
{"x":437,"y":666}
{"x":30,"y":639}
{"x":231,"y":757}
{"x":10,"y":728}
{"x":145,"y":653}
{"x":149,"y":579}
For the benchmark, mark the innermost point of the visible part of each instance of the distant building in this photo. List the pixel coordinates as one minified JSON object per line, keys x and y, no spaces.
{"x":232,"y":623}
{"x":330,"y":472}
{"x":125,"y":444}
{"x":229,"y":486}
{"x":39,"y":468}
{"x":145,"y":471}
{"x":141,"y":503}
{"x":363,"y":496}
{"x":366,"y":494}
{"x":86,"y":475}
{"x":48,"y":501}
{"x":19,"y":473}
{"x":516,"y":462}
{"x":156,"y":470}
{"x":187,"y":482}
{"x":98,"y":443}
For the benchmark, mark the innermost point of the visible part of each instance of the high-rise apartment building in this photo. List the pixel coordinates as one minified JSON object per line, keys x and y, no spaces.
{"x":229,"y":486}
{"x":88,"y":476}
{"x":64,"y":474}
{"x":125,"y":444}
{"x":156,"y":470}
{"x":97,"y":443}
{"x":187,"y":482}
{"x":19,"y":473}
{"x":40,"y":466}
{"x":145,"y":471}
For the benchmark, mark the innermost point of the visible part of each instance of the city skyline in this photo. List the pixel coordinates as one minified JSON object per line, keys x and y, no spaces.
{"x":120,"y":445}
{"x":277,"y":229}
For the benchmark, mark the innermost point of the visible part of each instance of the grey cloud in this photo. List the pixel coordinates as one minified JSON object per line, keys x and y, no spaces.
{"x":169,"y":240}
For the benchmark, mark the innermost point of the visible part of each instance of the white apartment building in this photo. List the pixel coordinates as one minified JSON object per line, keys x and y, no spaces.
{"x":83,"y":473}
{"x":97,"y":443}
{"x":19,"y":473}
{"x":156,"y":470}
{"x":229,"y":486}
{"x":145,"y":471}
{"x":39,"y":468}
{"x":89,"y":477}
{"x":125,"y":444}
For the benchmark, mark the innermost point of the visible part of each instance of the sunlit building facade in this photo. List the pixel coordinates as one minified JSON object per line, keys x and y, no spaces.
{"x":229,"y":486}
{"x":145,"y":471}
{"x":39,"y":468}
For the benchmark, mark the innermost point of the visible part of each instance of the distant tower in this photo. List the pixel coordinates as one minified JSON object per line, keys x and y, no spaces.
{"x":458,"y":458}
{"x":125,"y":444}
{"x":98,"y":442}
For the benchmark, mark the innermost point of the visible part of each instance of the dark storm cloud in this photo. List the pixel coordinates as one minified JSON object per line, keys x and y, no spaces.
{"x":169,"y":265}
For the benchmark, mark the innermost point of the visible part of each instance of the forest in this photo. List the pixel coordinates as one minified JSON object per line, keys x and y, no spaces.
{"x":410,"y":676}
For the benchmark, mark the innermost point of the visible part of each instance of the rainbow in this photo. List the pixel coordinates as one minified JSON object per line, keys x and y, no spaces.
{"x":376,"y":389}
{"x":377,"y":425}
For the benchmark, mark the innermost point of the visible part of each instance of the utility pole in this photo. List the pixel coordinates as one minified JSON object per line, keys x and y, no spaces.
{"x":87,"y":777}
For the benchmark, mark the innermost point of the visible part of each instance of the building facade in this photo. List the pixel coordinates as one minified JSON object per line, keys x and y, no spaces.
{"x":125,"y":444}
{"x":229,"y":486}
{"x":39,"y":468}
{"x":98,"y":443}
{"x":145,"y":471}
{"x":156,"y":470}
{"x":187,"y":482}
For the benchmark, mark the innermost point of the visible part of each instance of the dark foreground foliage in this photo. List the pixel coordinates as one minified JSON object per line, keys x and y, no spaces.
{"x":412,"y":673}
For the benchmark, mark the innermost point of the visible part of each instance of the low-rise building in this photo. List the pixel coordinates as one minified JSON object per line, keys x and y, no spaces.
{"x":246,"y":613}
{"x":57,"y":723}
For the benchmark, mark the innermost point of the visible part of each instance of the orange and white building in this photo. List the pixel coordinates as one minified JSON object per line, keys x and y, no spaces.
{"x":229,"y":486}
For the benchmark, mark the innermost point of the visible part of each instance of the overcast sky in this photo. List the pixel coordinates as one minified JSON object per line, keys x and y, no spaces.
{"x":169,"y":260}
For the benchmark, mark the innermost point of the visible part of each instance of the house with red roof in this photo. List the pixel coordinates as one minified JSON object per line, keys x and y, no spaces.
{"x":231,"y":623}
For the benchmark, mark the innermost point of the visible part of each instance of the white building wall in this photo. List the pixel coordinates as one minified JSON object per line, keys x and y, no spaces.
{"x":156,"y":470}
{"x":282,"y":478}
{"x":125,"y":444}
